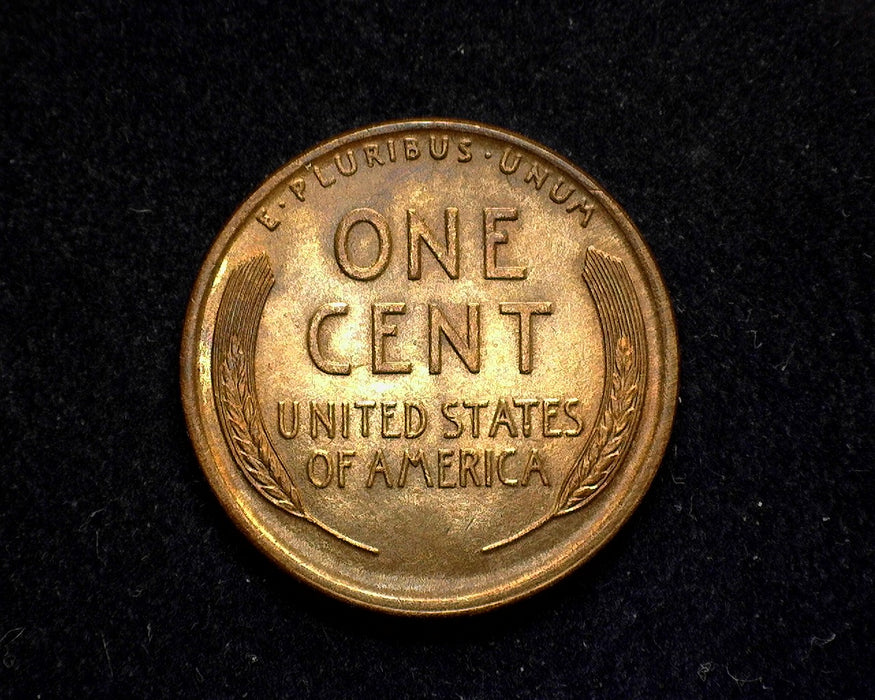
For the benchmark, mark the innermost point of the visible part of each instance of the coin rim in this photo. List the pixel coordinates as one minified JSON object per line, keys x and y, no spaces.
{"x":502,"y":594}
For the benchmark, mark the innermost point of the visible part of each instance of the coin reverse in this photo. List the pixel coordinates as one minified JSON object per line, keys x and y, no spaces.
{"x":429,"y":367}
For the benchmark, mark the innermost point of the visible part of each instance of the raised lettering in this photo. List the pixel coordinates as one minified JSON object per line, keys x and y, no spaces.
{"x":572,"y":414}
{"x":548,"y":415}
{"x":447,"y":255}
{"x":534,"y":464}
{"x":344,"y":462}
{"x":445,"y":463}
{"x":372,"y":154}
{"x":500,"y":417}
{"x":288,"y":421}
{"x":467,"y":348}
{"x":326,"y":182}
{"x":341,"y":241}
{"x":464,"y":147}
{"x":468,"y":460}
{"x":324,"y":418}
{"x":313,"y":345}
{"x":561,"y":198}
{"x":411,"y":148}
{"x":365,"y":407}
{"x":537,"y":176}
{"x":415,"y":420}
{"x":387,"y":413}
{"x":526,"y":405}
{"x":438,"y":153}
{"x":267,"y":220}
{"x":445,"y":410}
{"x":474,"y":407}
{"x":380,"y":330}
{"x":499,"y":466}
{"x":506,"y":166}
{"x":319,"y":480}
{"x":524,"y":310}
{"x":492,"y":238}
{"x":297,"y":187}
{"x":378,"y":466}
{"x":415,"y":461}
{"x":348,"y":168}
{"x":584,"y":206}
{"x":344,"y":420}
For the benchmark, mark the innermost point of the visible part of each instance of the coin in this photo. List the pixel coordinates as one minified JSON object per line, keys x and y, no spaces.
{"x":429,"y":367}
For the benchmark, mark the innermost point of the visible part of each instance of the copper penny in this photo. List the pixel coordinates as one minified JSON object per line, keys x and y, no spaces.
{"x":429,"y":367}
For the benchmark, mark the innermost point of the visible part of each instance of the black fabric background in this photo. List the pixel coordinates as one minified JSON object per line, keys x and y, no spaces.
{"x":737,"y":137}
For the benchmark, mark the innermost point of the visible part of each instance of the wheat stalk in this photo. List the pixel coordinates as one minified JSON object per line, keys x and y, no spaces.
{"x":255,"y":456}
{"x":604,"y":452}
{"x":594,"y":469}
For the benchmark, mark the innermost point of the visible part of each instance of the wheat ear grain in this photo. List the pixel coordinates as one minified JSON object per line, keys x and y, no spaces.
{"x":604,"y":452}
{"x":255,"y":456}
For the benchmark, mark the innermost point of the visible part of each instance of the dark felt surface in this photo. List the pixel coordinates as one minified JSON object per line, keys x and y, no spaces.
{"x":740,"y":142}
